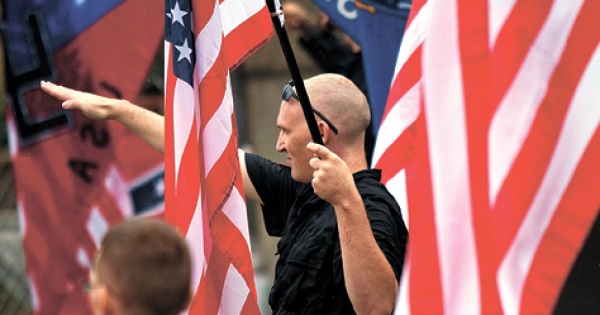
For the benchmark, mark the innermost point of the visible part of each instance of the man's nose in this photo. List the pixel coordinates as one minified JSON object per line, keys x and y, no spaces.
{"x":280,"y":145}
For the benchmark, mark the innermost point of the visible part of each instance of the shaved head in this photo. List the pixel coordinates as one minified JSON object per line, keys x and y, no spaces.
{"x":342,"y":102}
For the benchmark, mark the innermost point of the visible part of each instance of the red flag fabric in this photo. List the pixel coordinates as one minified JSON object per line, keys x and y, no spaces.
{"x":490,"y":140}
{"x":76,"y":177}
{"x":205,"y":39}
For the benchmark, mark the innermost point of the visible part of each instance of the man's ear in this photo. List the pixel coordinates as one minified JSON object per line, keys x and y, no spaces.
{"x":101,"y":302}
{"x":324,"y":131}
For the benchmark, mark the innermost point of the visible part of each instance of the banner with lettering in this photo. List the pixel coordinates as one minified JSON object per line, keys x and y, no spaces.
{"x":76,"y":177}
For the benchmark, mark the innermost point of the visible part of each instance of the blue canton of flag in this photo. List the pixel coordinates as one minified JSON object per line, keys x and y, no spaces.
{"x":178,"y":32}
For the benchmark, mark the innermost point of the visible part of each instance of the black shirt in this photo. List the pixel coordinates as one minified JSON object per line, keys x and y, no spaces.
{"x":309,"y":277}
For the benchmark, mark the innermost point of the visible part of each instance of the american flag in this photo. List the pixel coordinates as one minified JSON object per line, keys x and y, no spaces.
{"x":490,"y":140}
{"x":205,"y":39}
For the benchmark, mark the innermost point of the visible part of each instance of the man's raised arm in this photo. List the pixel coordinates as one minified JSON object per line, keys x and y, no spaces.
{"x":147,"y":124}
{"x":368,"y":275}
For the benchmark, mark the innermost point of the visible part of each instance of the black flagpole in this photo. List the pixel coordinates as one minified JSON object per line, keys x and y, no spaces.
{"x":294,"y":71}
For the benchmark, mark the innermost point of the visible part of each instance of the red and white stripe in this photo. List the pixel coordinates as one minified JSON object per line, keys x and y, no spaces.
{"x":489,"y":141}
{"x":204,"y":193}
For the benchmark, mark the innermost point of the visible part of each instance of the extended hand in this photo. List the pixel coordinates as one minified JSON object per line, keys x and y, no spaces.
{"x":93,"y":106}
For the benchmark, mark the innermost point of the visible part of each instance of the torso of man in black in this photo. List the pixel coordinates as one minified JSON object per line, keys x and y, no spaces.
{"x":309,"y":277}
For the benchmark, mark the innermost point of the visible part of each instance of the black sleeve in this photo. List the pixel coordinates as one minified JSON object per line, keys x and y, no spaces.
{"x":277,"y":190}
{"x":389,"y":230}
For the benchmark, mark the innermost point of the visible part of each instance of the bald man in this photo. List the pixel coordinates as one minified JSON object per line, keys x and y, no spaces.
{"x":342,"y":237}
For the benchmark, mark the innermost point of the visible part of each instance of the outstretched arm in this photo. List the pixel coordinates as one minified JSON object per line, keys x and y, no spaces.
{"x":147,"y":124}
{"x":369,"y":277}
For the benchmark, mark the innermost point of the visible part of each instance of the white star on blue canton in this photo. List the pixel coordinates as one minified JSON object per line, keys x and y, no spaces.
{"x":178,"y":14}
{"x":184,"y":52}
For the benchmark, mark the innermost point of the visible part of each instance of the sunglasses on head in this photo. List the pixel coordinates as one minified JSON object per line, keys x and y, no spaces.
{"x":288,"y":93}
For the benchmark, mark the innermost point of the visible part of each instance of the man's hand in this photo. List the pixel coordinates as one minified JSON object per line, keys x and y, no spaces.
{"x":332,"y":179}
{"x":93,"y":106}
{"x":147,"y":124}
{"x":295,"y":15}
